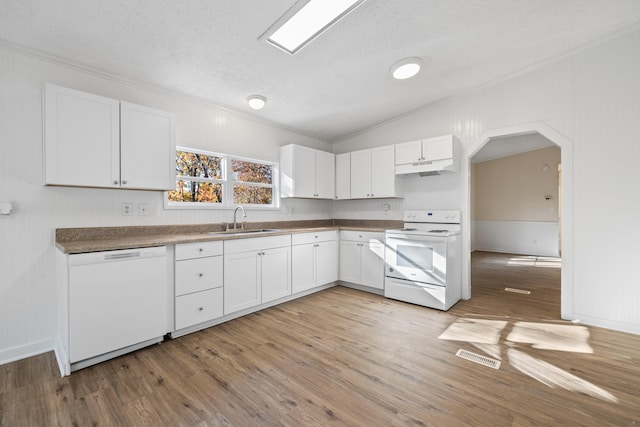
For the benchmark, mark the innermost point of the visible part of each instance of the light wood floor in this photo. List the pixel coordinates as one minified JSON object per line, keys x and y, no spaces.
{"x":345,"y":357}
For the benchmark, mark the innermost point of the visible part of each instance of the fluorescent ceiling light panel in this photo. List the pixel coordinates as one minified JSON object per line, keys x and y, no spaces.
{"x":309,"y":22}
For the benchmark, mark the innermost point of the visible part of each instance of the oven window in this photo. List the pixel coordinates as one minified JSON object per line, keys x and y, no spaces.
{"x":415,"y":257}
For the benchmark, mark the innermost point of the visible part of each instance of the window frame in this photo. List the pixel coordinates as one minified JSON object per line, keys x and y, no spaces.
{"x":227,"y":183}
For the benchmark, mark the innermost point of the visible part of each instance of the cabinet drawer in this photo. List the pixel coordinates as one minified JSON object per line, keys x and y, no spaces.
{"x":193,"y":275}
{"x":198,"y":250}
{"x":361,"y":236}
{"x":198,"y":307}
{"x":256,"y":244}
{"x":320,"y":236}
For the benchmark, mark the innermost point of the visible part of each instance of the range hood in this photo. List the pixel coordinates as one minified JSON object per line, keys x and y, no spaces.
{"x":428,"y":168}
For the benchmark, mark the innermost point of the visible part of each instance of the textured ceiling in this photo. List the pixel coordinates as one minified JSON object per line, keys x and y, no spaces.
{"x":337,"y":85}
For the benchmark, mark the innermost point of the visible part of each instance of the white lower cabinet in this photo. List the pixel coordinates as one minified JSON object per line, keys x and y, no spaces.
{"x":362,"y":258}
{"x":314,"y":259}
{"x":198,"y":283}
{"x":256,"y":271}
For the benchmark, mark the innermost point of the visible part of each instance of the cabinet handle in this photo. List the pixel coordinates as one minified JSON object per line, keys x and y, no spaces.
{"x":201,"y":275}
{"x":200,"y":308}
{"x":371,"y":194}
{"x":200,"y":249}
{"x":115,"y":182}
{"x":124,"y":182}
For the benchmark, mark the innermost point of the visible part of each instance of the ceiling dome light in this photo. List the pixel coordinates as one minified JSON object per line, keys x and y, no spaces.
{"x":406,"y":68}
{"x":256,"y":101}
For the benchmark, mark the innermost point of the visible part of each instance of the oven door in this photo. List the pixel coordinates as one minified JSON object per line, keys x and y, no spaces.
{"x":420,"y":259}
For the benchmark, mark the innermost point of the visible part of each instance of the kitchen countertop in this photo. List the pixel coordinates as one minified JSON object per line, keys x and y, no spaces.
{"x":95,"y":239}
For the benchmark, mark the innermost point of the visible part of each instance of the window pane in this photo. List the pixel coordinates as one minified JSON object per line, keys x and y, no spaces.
{"x":246,"y":194}
{"x":194,"y":191}
{"x":252,"y":172}
{"x":198,"y":165}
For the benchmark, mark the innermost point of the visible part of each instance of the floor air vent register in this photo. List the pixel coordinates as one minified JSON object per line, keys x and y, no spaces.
{"x":479,"y":359}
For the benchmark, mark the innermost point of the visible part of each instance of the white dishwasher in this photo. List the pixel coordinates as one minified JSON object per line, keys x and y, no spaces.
{"x":117,"y":303}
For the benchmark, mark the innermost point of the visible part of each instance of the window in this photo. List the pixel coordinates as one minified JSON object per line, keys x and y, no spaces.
{"x":206,"y":179}
{"x":252,"y":182}
{"x":198,"y":177}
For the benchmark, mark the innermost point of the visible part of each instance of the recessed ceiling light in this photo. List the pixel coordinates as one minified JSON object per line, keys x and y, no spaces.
{"x":256,"y":101}
{"x":406,"y":68}
{"x":309,"y":22}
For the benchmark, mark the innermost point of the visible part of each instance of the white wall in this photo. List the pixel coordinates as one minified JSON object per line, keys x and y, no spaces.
{"x":27,"y":271}
{"x":593,"y":99}
{"x":515,"y":203}
{"x":539,"y":238}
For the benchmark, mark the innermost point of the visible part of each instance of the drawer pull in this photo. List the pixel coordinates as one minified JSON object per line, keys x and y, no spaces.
{"x":200,"y":274}
{"x":200,"y":308}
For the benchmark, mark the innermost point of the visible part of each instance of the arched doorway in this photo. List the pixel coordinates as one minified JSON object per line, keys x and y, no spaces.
{"x":566,"y":209}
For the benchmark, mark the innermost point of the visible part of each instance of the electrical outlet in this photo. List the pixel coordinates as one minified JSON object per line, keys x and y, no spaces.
{"x":127,"y":209}
{"x":143,"y":209}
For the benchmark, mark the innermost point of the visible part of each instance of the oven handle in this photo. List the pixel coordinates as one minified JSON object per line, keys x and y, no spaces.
{"x":434,"y":239}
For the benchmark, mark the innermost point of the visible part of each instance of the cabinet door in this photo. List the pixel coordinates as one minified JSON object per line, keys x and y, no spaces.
{"x":326,"y":262}
{"x":408,"y":152}
{"x":438,"y":148}
{"x":372,"y":265}
{"x":350,"y":261}
{"x":325,"y":175}
{"x":303,"y":267}
{"x":241,"y":281}
{"x":304,"y":167}
{"x":360,"y":174}
{"x":276,"y":273}
{"x":383,"y":172}
{"x":147,"y":148}
{"x":343,"y":176}
{"x":82,"y":138}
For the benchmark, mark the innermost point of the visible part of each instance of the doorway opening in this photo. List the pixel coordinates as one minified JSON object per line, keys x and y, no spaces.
{"x":521,"y":237}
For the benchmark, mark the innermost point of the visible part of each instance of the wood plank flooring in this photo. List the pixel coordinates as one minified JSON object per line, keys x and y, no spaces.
{"x":348,"y":358}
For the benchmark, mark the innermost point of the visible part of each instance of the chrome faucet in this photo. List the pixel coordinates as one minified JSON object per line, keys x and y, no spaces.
{"x":235,"y":222}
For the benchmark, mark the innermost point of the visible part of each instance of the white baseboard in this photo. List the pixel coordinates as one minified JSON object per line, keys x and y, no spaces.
{"x":24,"y":351}
{"x":516,"y":237}
{"x":630,"y":328}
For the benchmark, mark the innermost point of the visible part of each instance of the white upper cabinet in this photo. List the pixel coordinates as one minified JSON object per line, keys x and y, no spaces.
{"x":424,"y":155}
{"x":373,"y":174}
{"x":429,"y":150}
{"x":82,"y":138}
{"x":147,"y":148}
{"x":325,"y":175}
{"x":94,"y":141}
{"x":409,"y":152}
{"x":361,"y":174}
{"x":306,"y":172}
{"x":343,"y":176}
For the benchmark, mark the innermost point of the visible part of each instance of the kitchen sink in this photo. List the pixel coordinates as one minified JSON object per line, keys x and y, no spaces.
{"x":242,"y":231}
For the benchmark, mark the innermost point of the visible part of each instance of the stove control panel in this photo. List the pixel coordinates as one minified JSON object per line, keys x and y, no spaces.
{"x":426,"y":216}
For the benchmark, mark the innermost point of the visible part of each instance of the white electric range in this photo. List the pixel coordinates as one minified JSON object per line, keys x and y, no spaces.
{"x":423,"y":259}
